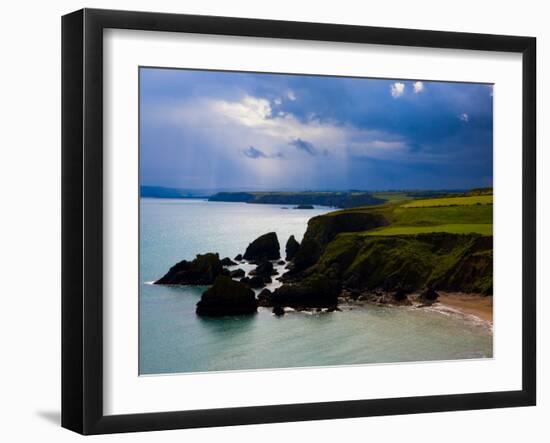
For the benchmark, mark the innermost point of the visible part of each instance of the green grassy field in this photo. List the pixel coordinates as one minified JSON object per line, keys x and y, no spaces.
{"x":462,"y":214}
{"x":451,"y":201}
{"x":392,"y":197}
{"x":443,"y":242}
{"x":442,"y":215}
{"x":464,"y":228}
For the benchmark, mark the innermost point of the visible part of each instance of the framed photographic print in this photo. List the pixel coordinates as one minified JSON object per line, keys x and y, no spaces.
{"x":269,"y":221}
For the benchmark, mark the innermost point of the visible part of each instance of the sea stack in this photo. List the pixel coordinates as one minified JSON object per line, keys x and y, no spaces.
{"x":265,"y":247}
{"x":291,"y":248}
{"x":227,"y":297}
{"x":203,"y":270}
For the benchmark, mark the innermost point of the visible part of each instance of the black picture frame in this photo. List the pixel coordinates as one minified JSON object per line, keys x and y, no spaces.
{"x":82,"y":218}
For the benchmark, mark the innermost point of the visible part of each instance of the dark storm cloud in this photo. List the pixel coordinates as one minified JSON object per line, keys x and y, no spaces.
{"x":252,"y":152}
{"x":304,"y":146}
{"x":194,"y":125}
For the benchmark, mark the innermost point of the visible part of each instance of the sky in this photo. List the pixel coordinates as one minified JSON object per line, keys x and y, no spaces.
{"x":254,"y":131}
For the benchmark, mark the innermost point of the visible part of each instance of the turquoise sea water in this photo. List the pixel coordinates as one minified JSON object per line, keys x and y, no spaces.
{"x":173,"y":339}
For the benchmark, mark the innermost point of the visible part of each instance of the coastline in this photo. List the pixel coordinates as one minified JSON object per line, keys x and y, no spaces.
{"x":472,"y":306}
{"x":334,"y":253}
{"x":480,"y":306}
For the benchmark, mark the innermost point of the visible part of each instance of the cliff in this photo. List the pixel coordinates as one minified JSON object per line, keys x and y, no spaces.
{"x":401,"y":247}
{"x":443,"y":261}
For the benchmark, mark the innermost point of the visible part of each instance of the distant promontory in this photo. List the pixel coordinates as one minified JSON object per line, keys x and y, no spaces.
{"x":335,"y":199}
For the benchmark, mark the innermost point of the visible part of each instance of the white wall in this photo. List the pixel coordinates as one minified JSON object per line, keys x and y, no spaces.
{"x":30,"y":220}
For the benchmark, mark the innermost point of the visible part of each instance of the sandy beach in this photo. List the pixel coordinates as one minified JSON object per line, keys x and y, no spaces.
{"x":473,"y":304}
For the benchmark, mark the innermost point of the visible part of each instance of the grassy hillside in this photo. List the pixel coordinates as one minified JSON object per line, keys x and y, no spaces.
{"x":451,"y":201}
{"x":443,"y":242}
{"x":444,"y":261}
{"x":458,"y":228}
{"x":431,"y":215}
{"x":392,"y":197}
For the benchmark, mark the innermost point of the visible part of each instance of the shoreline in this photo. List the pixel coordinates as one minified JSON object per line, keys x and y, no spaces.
{"x":475,"y":306}
{"x":480,"y":306}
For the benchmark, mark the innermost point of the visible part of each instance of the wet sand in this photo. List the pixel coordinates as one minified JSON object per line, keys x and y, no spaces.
{"x":473,"y":304}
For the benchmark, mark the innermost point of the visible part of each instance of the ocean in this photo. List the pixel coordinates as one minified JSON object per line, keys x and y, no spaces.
{"x":173,"y":339}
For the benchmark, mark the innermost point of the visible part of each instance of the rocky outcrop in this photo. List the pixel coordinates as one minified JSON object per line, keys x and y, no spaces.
{"x":264,"y":269}
{"x":265,"y":247}
{"x":239,"y":257}
{"x":203,"y":270}
{"x":312,"y":292}
{"x":255,"y":282}
{"x":304,"y":207}
{"x":429,"y":296}
{"x":396,"y":298}
{"x":237,"y":273}
{"x":278,"y":311}
{"x":291,"y":247}
{"x":400,"y":295}
{"x":227,"y":297}
{"x":307,"y":255}
{"x":264,"y":297}
{"x":227,"y":262}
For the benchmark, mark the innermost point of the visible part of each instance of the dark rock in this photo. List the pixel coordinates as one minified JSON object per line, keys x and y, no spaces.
{"x":333,"y":308}
{"x":304,"y":207}
{"x":265,"y":247}
{"x":350,"y":294}
{"x":227,"y":262}
{"x":371,"y":297}
{"x":264,"y":297}
{"x":281,"y":262}
{"x":203,"y":270}
{"x":291,"y":247}
{"x":264,"y":269}
{"x":278,"y":311}
{"x":400,"y":294}
{"x":383,"y":299}
{"x":429,"y":295}
{"x":253,"y":282}
{"x":314,"y":291}
{"x":399,"y":297}
{"x":227,"y":297}
{"x":239,"y":257}
{"x":237,"y":273}
{"x":308,"y":254}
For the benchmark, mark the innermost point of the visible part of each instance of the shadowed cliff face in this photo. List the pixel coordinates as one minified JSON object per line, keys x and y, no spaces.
{"x":323,"y":229}
{"x":449,"y":262}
